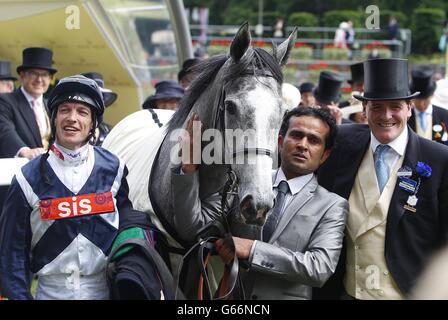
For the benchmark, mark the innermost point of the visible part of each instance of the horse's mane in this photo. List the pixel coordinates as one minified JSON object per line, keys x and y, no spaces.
{"x":253,"y":60}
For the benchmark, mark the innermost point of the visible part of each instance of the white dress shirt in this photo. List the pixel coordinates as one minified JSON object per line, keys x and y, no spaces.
{"x":397,"y":148}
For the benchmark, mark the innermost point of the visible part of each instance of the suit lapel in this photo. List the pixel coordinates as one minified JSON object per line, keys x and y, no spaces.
{"x":28,"y":115}
{"x":411,"y":121}
{"x":350,"y":158}
{"x":294,"y":206}
{"x":399,"y":197}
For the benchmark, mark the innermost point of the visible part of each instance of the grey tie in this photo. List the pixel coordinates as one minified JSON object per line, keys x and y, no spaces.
{"x":274,"y":217}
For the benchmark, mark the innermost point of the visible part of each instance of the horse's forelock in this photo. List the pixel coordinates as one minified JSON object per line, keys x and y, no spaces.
{"x":255,"y":59}
{"x":208,"y":70}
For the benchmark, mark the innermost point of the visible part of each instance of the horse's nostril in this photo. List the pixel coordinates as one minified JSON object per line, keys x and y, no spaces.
{"x":247,"y":203}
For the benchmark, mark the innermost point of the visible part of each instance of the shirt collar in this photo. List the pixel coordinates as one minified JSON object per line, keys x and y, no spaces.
{"x":427,"y":111}
{"x":71,"y":157}
{"x":295,"y":184}
{"x":399,"y":144}
{"x":30,"y":98}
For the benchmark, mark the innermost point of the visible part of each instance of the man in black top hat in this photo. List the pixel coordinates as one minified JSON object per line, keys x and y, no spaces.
{"x":167,"y":96}
{"x":357,"y":86}
{"x":427,"y":120}
{"x":397,"y":186}
{"x":6,"y":79}
{"x":306,"y":94}
{"x":109,"y":98}
{"x":24,"y":122}
{"x":327,"y":94}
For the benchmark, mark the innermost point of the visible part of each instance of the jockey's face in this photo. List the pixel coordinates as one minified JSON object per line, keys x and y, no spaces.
{"x":302,"y":148}
{"x":73,"y":125}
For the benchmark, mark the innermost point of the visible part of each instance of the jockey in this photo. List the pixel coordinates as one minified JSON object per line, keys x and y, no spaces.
{"x":63,"y":208}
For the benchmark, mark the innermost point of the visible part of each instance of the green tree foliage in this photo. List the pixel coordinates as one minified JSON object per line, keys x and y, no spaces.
{"x":402,"y":19}
{"x":426,"y":28}
{"x":304,"y":19}
{"x":334,"y":17}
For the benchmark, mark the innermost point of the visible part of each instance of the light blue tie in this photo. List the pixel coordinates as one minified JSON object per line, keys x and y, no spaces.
{"x":423,"y":120}
{"x":382,"y":173}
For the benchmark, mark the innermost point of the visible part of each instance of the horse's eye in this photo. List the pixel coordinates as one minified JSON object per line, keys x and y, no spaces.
{"x":230,"y":107}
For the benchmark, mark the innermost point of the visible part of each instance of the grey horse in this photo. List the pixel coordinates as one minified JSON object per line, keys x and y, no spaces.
{"x":240,"y":94}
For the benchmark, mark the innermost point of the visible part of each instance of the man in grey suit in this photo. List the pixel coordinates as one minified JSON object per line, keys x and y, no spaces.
{"x":302,"y":237}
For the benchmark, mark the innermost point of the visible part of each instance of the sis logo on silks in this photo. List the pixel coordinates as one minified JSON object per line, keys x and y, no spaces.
{"x":80,"y":205}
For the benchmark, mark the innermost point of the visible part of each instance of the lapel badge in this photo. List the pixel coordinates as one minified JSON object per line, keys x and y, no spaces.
{"x":410,"y":204}
{"x":437,"y":128}
{"x":407,"y":184}
{"x":404,"y":171}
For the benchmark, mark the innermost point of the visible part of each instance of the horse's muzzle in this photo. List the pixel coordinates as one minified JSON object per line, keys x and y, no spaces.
{"x":252,"y":212}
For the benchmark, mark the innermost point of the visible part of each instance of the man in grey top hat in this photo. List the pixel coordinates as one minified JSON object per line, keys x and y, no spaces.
{"x":397,"y":186}
{"x":6,"y":79}
{"x":24,"y":123}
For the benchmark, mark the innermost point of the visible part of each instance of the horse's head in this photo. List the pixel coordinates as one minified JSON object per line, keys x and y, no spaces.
{"x":251,"y":111}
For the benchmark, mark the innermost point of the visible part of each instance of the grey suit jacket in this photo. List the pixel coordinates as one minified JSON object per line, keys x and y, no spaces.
{"x":303,"y":251}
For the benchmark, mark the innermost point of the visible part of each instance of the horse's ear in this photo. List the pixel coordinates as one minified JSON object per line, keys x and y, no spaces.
{"x":281,"y":53}
{"x":240,"y":43}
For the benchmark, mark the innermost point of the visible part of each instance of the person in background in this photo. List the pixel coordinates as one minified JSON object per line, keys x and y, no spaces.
{"x":307,"y":97}
{"x":6,"y":79}
{"x":109,"y":98}
{"x":24,"y":123}
{"x":188,"y":73}
{"x":168,"y":95}
{"x":357,"y":87}
{"x":427,"y":120}
{"x":327,"y":94}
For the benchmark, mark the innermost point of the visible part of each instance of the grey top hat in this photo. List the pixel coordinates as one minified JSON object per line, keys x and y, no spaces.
{"x":37,"y":58}
{"x":386,"y":79}
{"x":5,"y":71}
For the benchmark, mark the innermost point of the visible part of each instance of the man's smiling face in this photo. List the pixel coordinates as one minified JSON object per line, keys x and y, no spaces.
{"x":387,"y":118}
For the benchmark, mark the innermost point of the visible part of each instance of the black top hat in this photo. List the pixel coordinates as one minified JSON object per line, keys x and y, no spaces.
{"x":306,"y":87}
{"x":386,"y":79}
{"x":5,"y":71}
{"x":186,"y":66}
{"x":164,"y":90}
{"x":422,"y":81}
{"x":38,"y":58}
{"x":357,"y":71}
{"x":108,"y":95}
{"x":327,"y":90}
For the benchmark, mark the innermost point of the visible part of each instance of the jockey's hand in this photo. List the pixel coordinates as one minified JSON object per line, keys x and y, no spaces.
{"x":191,"y":141}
